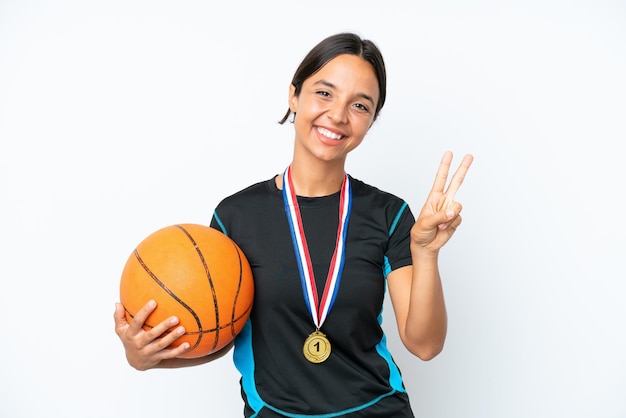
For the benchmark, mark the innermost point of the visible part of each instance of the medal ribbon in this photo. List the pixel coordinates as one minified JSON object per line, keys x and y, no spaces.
{"x":319,"y":309}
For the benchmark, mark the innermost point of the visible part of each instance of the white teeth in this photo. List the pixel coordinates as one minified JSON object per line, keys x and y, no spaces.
{"x":329,"y":134}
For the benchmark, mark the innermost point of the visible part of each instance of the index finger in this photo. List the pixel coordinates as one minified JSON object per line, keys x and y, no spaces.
{"x":136,"y":324}
{"x":442,"y":172}
{"x":458,"y":177}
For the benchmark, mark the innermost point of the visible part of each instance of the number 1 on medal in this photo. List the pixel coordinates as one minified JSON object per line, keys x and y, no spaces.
{"x":316,"y":347}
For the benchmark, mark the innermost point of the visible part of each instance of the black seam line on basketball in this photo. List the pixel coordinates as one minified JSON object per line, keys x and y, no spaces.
{"x":169,"y":292}
{"x":204,"y":331}
{"x":210,"y":279}
{"x":232,"y":316}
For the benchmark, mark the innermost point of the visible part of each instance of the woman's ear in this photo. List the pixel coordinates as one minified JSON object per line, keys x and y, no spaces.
{"x":293,"y":99}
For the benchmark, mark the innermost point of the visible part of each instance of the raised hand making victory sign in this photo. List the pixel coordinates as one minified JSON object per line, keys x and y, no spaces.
{"x":440,"y":215}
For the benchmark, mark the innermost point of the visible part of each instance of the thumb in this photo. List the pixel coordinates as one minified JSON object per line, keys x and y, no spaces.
{"x":443,"y":217}
{"x":119,"y":315}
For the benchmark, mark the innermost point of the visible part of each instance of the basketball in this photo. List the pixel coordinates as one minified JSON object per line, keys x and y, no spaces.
{"x":193,"y":272}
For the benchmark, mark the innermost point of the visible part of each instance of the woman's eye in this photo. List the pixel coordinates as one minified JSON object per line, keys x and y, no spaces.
{"x":362,"y":107}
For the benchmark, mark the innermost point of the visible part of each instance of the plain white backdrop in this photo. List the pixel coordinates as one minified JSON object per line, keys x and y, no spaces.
{"x":121,"y":117}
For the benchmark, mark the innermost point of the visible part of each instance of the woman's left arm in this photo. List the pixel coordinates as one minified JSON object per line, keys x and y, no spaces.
{"x":416,"y":291}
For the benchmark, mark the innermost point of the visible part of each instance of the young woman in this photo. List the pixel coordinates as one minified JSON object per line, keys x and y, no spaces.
{"x":324,"y":247}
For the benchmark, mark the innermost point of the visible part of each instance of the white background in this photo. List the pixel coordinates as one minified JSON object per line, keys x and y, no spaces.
{"x":121,"y":117}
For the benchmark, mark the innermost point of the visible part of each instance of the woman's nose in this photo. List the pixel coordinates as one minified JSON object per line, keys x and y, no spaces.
{"x":338,"y":112}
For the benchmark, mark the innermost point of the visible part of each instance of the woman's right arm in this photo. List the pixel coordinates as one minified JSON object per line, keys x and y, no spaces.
{"x":148,"y":349}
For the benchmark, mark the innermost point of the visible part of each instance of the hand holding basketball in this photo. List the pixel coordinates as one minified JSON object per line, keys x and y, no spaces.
{"x":146,"y":349}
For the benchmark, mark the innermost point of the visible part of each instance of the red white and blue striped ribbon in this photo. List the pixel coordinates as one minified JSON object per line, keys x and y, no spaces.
{"x":319,"y":309}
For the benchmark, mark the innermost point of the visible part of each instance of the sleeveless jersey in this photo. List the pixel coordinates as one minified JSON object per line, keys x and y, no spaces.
{"x":360,"y":378}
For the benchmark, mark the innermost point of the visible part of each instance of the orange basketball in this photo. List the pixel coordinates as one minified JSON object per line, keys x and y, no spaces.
{"x":193,"y":272}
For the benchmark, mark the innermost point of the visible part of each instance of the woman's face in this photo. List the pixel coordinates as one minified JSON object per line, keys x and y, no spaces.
{"x":335,"y":108}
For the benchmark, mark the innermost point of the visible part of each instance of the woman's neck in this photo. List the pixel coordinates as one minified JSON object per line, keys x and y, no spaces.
{"x":315,"y":180}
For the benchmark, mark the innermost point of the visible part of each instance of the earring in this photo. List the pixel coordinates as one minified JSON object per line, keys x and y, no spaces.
{"x":293,"y":117}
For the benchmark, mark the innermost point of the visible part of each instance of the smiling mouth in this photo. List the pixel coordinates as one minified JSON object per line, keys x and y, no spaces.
{"x":329,"y":134}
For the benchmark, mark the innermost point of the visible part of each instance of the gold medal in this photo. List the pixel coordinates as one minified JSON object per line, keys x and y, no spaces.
{"x":316,"y":347}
